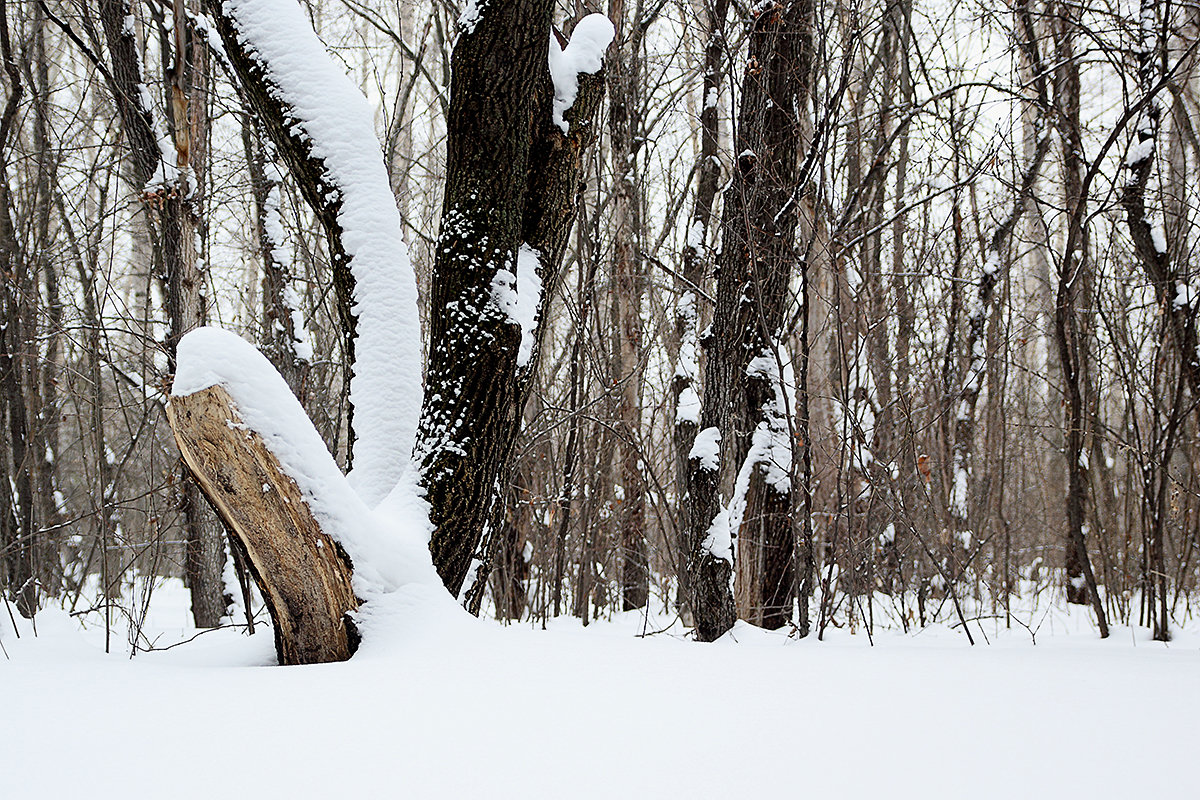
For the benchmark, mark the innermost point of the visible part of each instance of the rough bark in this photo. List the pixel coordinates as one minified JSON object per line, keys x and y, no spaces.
{"x":303,"y":574}
{"x":758,"y":228}
{"x":695,"y":267}
{"x":1072,"y":330}
{"x":512,"y":178}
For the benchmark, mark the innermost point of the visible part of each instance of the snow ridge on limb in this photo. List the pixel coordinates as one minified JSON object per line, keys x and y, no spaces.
{"x":584,"y":54}
{"x":384,"y":559}
{"x":323,"y":127}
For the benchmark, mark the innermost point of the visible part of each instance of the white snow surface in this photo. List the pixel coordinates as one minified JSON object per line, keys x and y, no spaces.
{"x":688,"y":408}
{"x":335,"y":116}
{"x":584,"y":53}
{"x":591,"y":712}
{"x":707,"y":448}
{"x":389,"y":545}
{"x":519,"y":297}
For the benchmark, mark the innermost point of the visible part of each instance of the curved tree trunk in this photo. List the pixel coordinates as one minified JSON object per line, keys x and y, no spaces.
{"x":304,"y":576}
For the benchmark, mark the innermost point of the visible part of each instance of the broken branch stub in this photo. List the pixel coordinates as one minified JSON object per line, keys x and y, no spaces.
{"x":303,"y":574}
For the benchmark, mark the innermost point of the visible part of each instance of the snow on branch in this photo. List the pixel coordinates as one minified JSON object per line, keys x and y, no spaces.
{"x":325,"y":114}
{"x":584,"y":54}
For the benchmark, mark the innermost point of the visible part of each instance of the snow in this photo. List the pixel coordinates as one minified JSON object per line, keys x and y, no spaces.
{"x":1159,"y":237}
{"x":1139,"y":152}
{"x":519,"y":297}
{"x":470,"y":16}
{"x":719,"y":538}
{"x":389,"y":546}
{"x":336,"y":118}
{"x":707,"y":448}
{"x":1185,"y":295}
{"x":992,"y":265}
{"x":584,"y":53}
{"x":599,"y":710}
{"x":529,"y":299}
{"x":688,"y":408}
{"x":958,"y":495}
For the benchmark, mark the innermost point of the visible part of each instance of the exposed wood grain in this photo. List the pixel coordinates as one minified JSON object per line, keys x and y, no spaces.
{"x":303,"y":574}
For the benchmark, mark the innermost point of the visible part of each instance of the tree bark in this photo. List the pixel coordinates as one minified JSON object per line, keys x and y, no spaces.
{"x":500,"y":102}
{"x":1072,"y":331}
{"x":303,"y":574}
{"x":695,"y":268}
{"x":744,"y":397}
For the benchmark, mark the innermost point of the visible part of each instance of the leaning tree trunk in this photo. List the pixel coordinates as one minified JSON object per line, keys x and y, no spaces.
{"x":302,"y":573}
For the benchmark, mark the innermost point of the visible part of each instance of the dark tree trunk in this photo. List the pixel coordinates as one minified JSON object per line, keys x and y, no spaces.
{"x":511,"y":179}
{"x":695,"y":270}
{"x":1072,"y":330}
{"x":744,"y":401}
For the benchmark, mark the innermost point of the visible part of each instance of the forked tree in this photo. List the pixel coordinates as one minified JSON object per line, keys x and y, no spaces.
{"x":520,"y":117}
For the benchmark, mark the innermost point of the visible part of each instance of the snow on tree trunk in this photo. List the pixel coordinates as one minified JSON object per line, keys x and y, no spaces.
{"x":323,"y":128}
{"x":520,"y":118}
{"x":745,"y":410}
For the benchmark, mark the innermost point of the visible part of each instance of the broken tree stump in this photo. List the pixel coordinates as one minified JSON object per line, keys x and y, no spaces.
{"x":302,"y":573}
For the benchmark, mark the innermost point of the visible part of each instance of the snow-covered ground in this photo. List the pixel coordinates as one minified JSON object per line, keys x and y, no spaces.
{"x":447,"y":706}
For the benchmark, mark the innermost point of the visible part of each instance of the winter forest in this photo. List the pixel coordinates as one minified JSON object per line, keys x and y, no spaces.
{"x":592,"y":369}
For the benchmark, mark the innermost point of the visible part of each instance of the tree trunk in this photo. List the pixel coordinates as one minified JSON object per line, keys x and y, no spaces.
{"x":629,"y":279}
{"x":695,"y":269}
{"x":1070,"y":323}
{"x":510,"y":199}
{"x":745,"y":407}
{"x":302,"y":573}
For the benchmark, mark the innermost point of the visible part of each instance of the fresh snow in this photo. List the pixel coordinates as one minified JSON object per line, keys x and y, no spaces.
{"x":706,"y":447}
{"x":336,"y":118}
{"x":388,"y":546}
{"x":448,"y":706}
{"x":520,"y":296}
{"x":687,"y":410}
{"x":584,"y":53}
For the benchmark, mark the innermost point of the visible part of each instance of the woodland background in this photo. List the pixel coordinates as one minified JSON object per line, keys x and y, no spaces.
{"x":987,"y":338}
